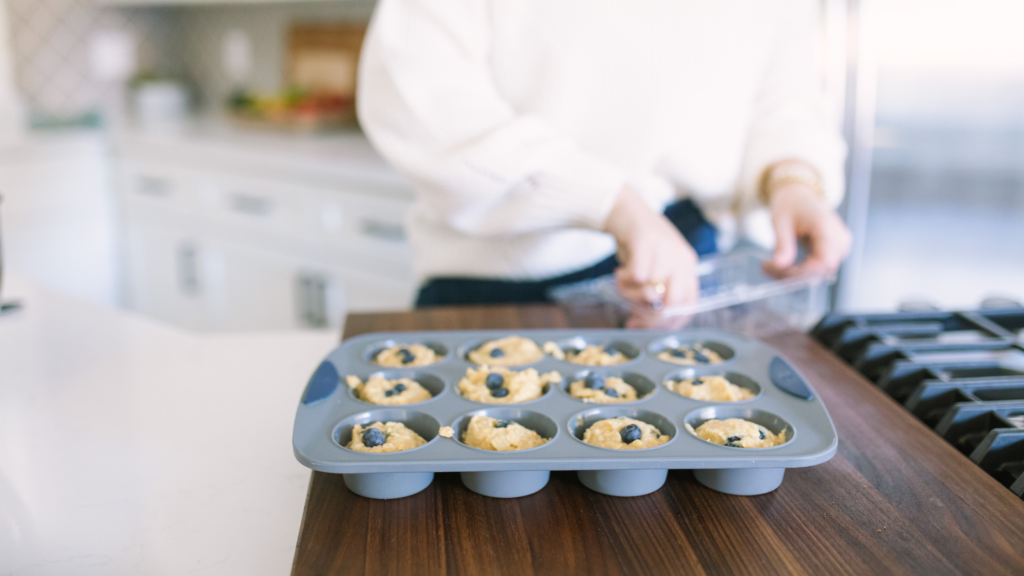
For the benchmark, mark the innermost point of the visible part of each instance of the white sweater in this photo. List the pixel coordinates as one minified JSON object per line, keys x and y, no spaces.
{"x":518,"y":121}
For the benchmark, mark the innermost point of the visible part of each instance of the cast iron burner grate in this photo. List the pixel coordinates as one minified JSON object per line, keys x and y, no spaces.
{"x":962,"y":373}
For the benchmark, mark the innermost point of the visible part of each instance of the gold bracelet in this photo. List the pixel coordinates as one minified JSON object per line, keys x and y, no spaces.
{"x":784,"y":173}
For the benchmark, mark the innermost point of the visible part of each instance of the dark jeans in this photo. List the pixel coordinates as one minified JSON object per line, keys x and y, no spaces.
{"x":454,"y":291}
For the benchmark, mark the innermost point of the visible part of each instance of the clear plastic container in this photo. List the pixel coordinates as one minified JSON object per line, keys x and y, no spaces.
{"x":736,"y":295}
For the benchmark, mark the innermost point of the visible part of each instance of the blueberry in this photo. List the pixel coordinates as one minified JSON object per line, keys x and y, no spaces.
{"x":677,"y":353}
{"x":497,"y":353}
{"x":611,"y":350}
{"x":399,"y":387}
{"x":389,"y":393}
{"x":697,"y":382}
{"x":733,"y":441}
{"x":501,"y":423}
{"x":500,"y":392}
{"x":761,"y":432}
{"x":700,"y":358}
{"x":611,"y":393}
{"x":594,"y":381}
{"x":495,"y":380}
{"x":406,"y":356}
{"x":373,"y":437}
{"x":630,"y":433}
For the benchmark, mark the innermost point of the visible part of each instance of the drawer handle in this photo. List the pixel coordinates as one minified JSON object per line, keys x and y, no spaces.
{"x":188,"y":270}
{"x":250,"y":205}
{"x":312,"y":299}
{"x":153,"y":187}
{"x":382,"y":230}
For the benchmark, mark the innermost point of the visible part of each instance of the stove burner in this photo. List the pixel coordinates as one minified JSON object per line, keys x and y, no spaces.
{"x":962,"y":373}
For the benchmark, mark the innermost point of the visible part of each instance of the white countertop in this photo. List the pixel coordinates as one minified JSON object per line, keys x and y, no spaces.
{"x":131,"y":447}
{"x":332,"y":157}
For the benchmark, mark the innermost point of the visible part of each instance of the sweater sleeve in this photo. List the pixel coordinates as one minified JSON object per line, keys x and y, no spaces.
{"x":429,"y":104}
{"x":791,"y":119}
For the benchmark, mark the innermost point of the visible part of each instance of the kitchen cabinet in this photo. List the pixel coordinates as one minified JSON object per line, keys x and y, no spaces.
{"x":166,"y":274}
{"x":129,"y":3}
{"x":59,"y":214}
{"x":218,"y":239}
{"x":250,"y":288}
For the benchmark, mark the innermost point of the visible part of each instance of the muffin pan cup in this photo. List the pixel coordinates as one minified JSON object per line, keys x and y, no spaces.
{"x":327,"y":412}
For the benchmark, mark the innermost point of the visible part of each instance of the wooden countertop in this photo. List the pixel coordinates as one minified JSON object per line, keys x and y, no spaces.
{"x":896,"y":499}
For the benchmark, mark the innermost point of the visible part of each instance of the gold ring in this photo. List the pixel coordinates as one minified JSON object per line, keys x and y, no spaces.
{"x":659,"y":287}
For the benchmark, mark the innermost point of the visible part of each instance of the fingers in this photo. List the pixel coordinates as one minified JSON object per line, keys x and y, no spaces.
{"x":658,"y":266}
{"x":785,"y":241}
{"x":629,"y":288}
{"x":823,"y":232}
{"x":828,"y":242}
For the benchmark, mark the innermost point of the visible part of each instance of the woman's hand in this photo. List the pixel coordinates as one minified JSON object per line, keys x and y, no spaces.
{"x":800,"y":215}
{"x":657,"y":265}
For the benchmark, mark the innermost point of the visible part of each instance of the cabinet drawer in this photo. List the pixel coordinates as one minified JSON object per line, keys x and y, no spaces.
{"x":361,"y":223}
{"x":157,"y":186}
{"x":262,"y":206}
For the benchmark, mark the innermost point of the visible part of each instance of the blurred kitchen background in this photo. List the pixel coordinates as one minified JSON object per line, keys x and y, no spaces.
{"x":196,"y":160}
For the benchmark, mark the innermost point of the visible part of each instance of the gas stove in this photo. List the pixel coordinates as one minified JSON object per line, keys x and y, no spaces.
{"x":962,"y":373}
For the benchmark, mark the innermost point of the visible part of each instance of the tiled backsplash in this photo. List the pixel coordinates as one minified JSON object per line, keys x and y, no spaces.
{"x":50,"y":45}
{"x":202,"y":30}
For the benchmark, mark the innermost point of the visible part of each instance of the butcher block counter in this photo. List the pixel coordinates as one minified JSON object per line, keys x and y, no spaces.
{"x":896,"y":499}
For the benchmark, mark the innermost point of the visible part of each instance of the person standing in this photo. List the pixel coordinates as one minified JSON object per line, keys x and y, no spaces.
{"x":552,"y":141}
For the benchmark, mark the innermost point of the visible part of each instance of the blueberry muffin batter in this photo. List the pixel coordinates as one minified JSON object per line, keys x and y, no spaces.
{"x":382,"y":437}
{"x":710,"y":389}
{"x":590,"y":355}
{"x":404,"y":355}
{"x":380,"y":390}
{"x":624,"y":433}
{"x":500,"y":435}
{"x":597,"y":388}
{"x":509,"y":351}
{"x":737,"y":433}
{"x":690,"y":355}
{"x":504,"y":386}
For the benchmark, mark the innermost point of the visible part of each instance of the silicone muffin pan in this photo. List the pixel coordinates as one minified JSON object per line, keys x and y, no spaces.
{"x":783,"y":401}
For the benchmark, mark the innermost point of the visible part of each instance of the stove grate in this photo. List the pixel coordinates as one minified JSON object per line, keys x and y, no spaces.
{"x":961,"y":373}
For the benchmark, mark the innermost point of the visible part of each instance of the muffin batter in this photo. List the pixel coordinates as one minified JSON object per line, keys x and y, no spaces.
{"x":380,"y":390}
{"x":690,"y":355}
{"x":590,"y":355}
{"x":500,"y":435}
{"x":710,"y":389}
{"x":504,"y":386}
{"x":379,"y":438}
{"x":624,"y":433}
{"x":510,"y":351}
{"x":403,"y":355}
{"x":595,"y":388}
{"x":737,"y":433}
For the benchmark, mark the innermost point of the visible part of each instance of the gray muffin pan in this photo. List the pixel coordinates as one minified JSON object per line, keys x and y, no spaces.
{"x":784,"y":401}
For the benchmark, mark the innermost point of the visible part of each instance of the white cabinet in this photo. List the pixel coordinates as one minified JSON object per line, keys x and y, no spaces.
{"x":251,"y":289}
{"x":167,"y":271}
{"x":58,"y":214}
{"x":222,"y":247}
{"x":129,"y":3}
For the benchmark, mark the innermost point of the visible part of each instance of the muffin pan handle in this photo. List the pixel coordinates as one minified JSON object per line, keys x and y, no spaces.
{"x":788,"y":380}
{"x":322,"y":383}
